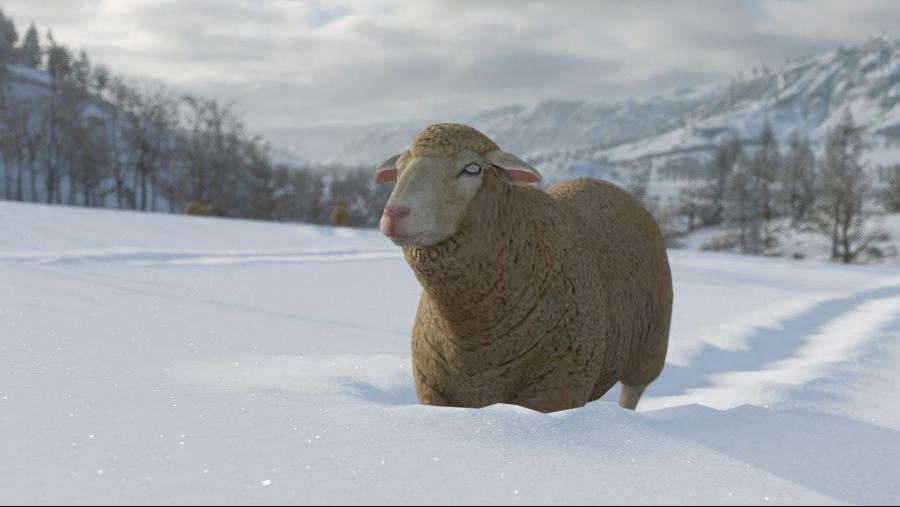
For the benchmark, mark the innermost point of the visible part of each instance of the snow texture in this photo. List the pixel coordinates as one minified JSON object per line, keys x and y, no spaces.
{"x":184,"y":360}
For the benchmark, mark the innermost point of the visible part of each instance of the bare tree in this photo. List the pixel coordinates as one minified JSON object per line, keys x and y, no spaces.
{"x":90,"y":160}
{"x":721,"y":166}
{"x":890,"y":193}
{"x":764,"y":170}
{"x":22,"y":144}
{"x":149,"y":134}
{"x":19,"y":146}
{"x":299,"y":193}
{"x":119,"y":155}
{"x":219,"y":162}
{"x":363,"y":197}
{"x":846,"y":210}
{"x":95,"y":139}
{"x":257,"y":184}
{"x":693,"y":203}
{"x":797,"y":193}
{"x":742,"y":208}
{"x":637,"y":179}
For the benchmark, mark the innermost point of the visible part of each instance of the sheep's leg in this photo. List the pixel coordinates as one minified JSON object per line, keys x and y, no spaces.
{"x":630,"y":396}
{"x":429,"y":396}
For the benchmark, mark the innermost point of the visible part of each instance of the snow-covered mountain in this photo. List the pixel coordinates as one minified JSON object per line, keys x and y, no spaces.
{"x":677,"y":129}
{"x":806,"y":98}
{"x":549,"y":129}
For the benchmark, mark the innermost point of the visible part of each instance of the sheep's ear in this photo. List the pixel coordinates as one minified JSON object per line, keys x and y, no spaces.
{"x":387,"y":170}
{"x":512,"y":167}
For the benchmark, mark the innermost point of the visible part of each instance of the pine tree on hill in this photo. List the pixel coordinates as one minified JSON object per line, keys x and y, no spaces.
{"x":30,"y":53}
{"x":8,"y":39}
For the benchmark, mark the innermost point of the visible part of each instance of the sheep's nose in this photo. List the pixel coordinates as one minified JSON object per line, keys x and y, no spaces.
{"x":392,"y":217}
{"x":396,"y":212}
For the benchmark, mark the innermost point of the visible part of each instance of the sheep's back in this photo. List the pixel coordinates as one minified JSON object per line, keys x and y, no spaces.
{"x":632,"y":270}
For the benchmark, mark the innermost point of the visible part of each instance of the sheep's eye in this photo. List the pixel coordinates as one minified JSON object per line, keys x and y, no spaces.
{"x":471,"y":170}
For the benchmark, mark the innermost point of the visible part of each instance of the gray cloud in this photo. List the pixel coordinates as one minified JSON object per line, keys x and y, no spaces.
{"x":302,"y":63}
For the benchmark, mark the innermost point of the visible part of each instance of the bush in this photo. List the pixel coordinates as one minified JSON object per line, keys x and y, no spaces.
{"x":196,"y":208}
{"x":340,"y":216}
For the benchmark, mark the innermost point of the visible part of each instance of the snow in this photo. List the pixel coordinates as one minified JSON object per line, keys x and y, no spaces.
{"x":806,"y":242}
{"x":166,"y":359}
{"x":29,"y":74}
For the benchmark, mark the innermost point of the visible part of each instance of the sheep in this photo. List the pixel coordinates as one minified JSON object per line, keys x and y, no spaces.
{"x":543,"y":299}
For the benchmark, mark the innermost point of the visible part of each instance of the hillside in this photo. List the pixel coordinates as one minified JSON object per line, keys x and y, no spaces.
{"x":550,"y":129}
{"x":32,"y":86}
{"x":152,"y":358}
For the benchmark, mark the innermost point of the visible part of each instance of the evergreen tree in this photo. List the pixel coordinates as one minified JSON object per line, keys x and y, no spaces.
{"x":60,"y":117}
{"x":81,"y":71}
{"x":30,"y":53}
{"x":100,"y":79}
{"x":8,"y":39}
{"x":59,"y":60}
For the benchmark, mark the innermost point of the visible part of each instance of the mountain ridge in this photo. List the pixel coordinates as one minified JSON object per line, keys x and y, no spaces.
{"x":804,"y":97}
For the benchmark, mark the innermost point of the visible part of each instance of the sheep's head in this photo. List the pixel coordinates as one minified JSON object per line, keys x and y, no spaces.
{"x":437,"y":179}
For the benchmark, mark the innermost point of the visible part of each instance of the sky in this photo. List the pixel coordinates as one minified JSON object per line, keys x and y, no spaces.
{"x":292,"y":64}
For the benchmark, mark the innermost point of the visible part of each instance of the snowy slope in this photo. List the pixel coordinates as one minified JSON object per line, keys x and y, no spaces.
{"x":154,"y":358}
{"x":804,"y":243}
{"x":31,"y":86}
{"x":805,"y":98}
{"x":549,"y":131}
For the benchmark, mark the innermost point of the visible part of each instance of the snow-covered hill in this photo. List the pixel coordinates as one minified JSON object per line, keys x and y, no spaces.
{"x":805,"y":98}
{"x":167,"y":359}
{"x":678,"y":129}
{"x":30,"y":87}
{"x":550,"y":130}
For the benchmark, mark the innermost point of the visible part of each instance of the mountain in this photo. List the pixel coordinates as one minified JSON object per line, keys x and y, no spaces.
{"x":679,"y":129}
{"x":549,"y":129}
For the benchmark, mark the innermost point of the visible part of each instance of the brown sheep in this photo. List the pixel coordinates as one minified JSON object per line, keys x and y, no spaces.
{"x":543,"y":299}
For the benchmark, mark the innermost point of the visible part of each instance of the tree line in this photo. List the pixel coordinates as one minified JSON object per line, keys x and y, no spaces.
{"x":758,"y":192}
{"x":77,"y":134}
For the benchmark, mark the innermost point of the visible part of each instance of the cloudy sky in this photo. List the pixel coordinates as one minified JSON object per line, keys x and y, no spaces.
{"x":294,"y":64}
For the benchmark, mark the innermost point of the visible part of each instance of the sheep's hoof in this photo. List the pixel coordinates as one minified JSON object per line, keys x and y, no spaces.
{"x":630,"y":396}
